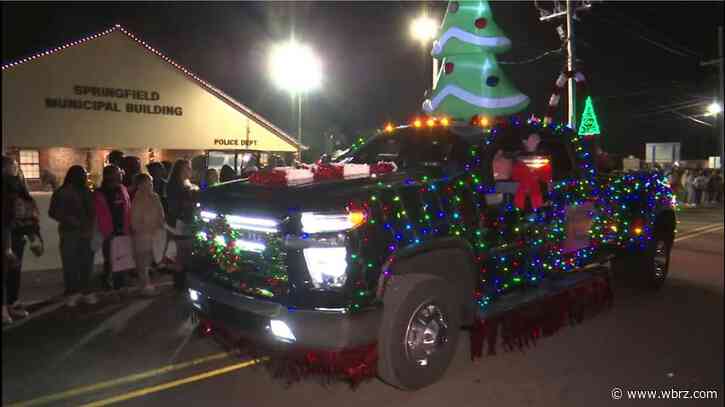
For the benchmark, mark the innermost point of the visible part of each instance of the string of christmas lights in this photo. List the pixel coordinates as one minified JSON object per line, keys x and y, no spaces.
{"x":266,"y":274}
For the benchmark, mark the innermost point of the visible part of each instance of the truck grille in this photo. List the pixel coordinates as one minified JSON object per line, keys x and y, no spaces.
{"x":248,"y":252}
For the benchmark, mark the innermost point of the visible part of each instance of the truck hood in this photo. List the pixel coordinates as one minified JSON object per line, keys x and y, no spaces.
{"x":244,"y":196}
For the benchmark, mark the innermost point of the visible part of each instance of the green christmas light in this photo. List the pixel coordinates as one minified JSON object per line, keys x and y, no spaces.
{"x":589,"y":124}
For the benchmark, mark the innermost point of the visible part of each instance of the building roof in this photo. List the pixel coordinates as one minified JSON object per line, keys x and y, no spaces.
{"x":201,"y":82}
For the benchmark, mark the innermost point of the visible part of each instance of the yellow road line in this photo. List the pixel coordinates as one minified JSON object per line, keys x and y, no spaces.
{"x":702,"y":232}
{"x":168,"y":385}
{"x":119,"y":381}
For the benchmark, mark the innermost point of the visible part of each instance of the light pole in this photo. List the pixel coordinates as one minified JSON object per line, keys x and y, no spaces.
{"x":424,"y":30}
{"x":296,"y":69}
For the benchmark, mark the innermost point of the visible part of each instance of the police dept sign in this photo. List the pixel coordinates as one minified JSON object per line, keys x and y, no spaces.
{"x":234,"y":142}
{"x":117,"y":100}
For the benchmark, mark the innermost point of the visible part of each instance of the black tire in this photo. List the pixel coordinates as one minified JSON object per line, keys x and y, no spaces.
{"x":649,"y":268}
{"x":656,"y":265}
{"x":400,"y":364}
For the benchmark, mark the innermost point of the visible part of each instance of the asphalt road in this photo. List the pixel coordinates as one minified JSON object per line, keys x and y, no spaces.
{"x":141,"y":352}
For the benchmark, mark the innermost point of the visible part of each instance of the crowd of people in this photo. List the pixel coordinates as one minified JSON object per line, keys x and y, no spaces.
{"x":128,"y":213}
{"x":697,"y":187}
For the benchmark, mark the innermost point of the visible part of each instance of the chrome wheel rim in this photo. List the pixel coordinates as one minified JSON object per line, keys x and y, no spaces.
{"x":660,"y":259}
{"x":426,"y":334}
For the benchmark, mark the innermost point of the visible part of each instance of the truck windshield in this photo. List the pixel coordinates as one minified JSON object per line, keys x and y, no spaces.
{"x":410,"y":147}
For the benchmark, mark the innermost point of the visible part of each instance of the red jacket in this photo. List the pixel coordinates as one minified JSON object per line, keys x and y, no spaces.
{"x":103,"y":213}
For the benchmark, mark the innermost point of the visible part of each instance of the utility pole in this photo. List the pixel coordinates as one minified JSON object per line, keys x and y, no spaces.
{"x":570,"y":58}
{"x":718,"y":61}
{"x":569,"y":14}
{"x":435,"y":73}
{"x":299,"y":117}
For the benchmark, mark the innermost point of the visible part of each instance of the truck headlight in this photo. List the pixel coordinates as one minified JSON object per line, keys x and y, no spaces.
{"x":331,"y":222}
{"x":281,"y":330}
{"x":327,"y":266}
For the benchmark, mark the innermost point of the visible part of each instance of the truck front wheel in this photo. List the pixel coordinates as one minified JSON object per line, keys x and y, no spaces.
{"x":419,"y":332}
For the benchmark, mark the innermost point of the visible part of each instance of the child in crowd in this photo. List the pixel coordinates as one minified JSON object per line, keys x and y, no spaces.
{"x":147,"y":218}
{"x":112,"y":207}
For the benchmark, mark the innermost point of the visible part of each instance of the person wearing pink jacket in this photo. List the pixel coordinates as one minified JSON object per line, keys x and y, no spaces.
{"x":113,"y":216}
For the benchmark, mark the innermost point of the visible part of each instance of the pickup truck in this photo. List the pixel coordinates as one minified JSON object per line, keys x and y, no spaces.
{"x":391,"y":266}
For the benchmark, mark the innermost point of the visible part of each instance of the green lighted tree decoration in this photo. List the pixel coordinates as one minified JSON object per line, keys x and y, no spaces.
{"x":470,"y":81}
{"x":589,"y":124}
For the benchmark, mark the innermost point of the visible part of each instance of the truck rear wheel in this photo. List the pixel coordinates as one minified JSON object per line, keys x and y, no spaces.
{"x":649,"y":268}
{"x":419,"y":332}
{"x":657,"y":262}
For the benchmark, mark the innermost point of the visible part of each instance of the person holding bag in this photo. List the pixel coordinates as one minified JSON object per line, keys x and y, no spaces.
{"x":180,"y":194}
{"x":147,"y":218}
{"x":72,"y":207}
{"x":24,"y":227}
{"x":113,"y":220}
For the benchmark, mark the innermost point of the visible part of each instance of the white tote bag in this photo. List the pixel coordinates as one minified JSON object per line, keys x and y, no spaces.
{"x":122,"y":254}
{"x":159,"y":244}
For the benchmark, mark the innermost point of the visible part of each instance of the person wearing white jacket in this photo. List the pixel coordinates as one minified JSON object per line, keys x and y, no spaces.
{"x":147,"y":219}
{"x":685,"y":184}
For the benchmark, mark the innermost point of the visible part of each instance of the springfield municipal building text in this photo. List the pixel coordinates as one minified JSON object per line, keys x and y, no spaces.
{"x":112,"y":105}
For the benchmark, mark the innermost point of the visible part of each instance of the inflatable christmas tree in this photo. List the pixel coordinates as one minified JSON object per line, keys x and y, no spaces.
{"x":470,"y":81}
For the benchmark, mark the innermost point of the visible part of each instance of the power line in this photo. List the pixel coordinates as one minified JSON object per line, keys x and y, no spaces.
{"x":671,"y":48}
{"x":534,"y":59}
{"x":685,"y":116}
{"x":667,"y":109}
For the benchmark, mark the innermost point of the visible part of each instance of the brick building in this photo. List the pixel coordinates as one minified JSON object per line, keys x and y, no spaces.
{"x":75,"y":103}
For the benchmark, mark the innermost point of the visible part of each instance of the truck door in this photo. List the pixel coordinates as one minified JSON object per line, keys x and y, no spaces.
{"x":568,"y":212}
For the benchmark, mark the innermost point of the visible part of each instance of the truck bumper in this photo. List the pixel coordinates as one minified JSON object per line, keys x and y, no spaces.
{"x":275,"y":324}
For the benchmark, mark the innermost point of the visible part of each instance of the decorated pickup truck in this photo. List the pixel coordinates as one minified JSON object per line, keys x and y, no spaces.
{"x":470,"y":217}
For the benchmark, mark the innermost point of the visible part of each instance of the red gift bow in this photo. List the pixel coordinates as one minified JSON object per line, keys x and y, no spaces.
{"x":529,"y":183}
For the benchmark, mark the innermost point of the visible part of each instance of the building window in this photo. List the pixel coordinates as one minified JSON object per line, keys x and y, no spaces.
{"x":30,"y":164}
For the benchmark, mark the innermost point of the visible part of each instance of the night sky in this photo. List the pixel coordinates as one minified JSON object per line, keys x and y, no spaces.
{"x":640,"y":58}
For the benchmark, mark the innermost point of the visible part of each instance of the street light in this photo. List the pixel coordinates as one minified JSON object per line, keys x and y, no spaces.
{"x":424,"y":30}
{"x":714,"y":108}
{"x":296,"y":69}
